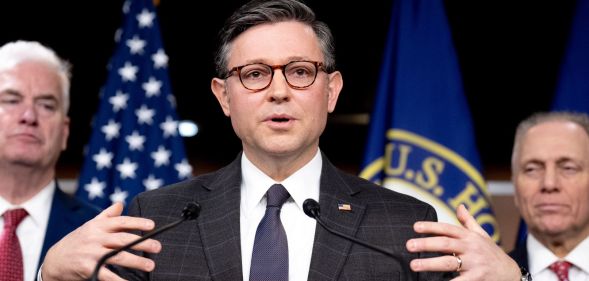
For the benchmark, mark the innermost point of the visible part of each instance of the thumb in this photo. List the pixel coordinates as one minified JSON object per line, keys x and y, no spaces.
{"x":114,"y":210}
{"x":468,"y":221}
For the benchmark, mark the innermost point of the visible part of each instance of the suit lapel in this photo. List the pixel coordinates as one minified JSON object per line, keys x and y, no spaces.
{"x":520,"y":254}
{"x":66,"y":214}
{"x":330,"y":251}
{"x":219,"y":224}
{"x":58,"y":225}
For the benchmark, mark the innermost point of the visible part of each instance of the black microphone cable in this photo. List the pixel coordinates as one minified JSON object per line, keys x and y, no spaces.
{"x":312,"y":209}
{"x":190,"y":212}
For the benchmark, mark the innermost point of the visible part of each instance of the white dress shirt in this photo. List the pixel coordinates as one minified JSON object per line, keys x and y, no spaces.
{"x":31,"y":231}
{"x":299,"y":228}
{"x":540,"y":258}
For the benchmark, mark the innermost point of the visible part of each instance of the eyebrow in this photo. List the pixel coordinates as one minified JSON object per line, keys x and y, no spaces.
{"x":560,"y":160}
{"x":533,"y":161}
{"x":16,"y":93}
{"x":11,"y":92}
{"x":265,"y":60}
{"x":565,"y":159}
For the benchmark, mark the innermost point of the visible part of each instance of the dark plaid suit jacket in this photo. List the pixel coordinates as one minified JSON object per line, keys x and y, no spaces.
{"x":209,"y":247}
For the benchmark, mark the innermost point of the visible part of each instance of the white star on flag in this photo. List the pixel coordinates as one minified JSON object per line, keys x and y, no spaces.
{"x":146,"y":18}
{"x":172,"y":100}
{"x":152,"y":183}
{"x":152,"y":87}
{"x":119,"y":101}
{"x":111,"y":130}
{"x":161,"y":156}
{"x":184,"y":169}
{"x":128,"y":72}
{"x":118,"y":196}
{"x":145,"y":115}
{"x":135,"y":144}
{"x":103,"y":159}
{"x":127,"y":169}
{"x":135,"y":141}
{"x":170,"y":127}
{"x":136,"y":45}
{"x":160,"y":59}
{"x":126,"y":7}
{"x":95,"y":188}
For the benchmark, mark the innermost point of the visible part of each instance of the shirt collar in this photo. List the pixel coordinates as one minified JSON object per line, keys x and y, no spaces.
{"x":578,"y":256}
{"x":301,"y":185}
{"x":540,"y":257}
{"x":37,"y":207}
{"x":304,"y":183}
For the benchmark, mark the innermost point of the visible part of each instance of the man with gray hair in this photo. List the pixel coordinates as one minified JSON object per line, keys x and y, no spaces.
{"x":550,"y":172}
{"x":34,"y":126}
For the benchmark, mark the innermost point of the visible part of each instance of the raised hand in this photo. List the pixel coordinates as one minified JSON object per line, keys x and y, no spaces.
{"x":75,"y":256}
{"x":468,"y":249}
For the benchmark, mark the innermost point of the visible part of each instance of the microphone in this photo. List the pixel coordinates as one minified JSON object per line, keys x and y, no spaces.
{"x":312,"y":209}
{"x":190,"y":212}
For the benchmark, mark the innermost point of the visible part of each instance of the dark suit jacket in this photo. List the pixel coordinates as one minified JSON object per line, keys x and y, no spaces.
{"x":209,"y":248}
{"x":520,"y":254}
{"x":67,"y":213}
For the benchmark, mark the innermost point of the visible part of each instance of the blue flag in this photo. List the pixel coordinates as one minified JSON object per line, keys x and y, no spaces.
{"x":572,"y":91}
{"x":421,"y":138}
{"x":135,"y":145}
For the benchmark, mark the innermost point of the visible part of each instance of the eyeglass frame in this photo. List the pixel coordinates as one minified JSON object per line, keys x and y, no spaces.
{"x":319,"y":66}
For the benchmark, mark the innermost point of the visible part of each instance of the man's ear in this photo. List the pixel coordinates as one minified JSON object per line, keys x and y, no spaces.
{"x":220,"y":91}
{"x":65,"y":133}
{"x":335,"y":86}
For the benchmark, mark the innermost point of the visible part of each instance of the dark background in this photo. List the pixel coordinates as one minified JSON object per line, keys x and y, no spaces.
{"x":509,"y":54}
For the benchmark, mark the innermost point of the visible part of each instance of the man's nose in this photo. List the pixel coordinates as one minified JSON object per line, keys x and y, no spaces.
{"x":279,"y":88}
{"x":550,"y":182}
{"x":29,"y":115}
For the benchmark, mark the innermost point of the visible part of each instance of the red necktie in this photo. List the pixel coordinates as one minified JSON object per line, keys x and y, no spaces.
{"x":561,"y":269}
{"x":11,"y":264}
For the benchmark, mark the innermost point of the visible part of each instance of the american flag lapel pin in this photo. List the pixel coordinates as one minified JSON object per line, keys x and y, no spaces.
{"x":344,"y":207}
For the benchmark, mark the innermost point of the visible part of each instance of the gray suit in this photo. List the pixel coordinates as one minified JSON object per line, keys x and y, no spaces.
{"x":209,"y":248}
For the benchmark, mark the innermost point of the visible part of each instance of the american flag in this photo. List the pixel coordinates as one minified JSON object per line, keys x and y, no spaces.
{"x":344,"y":207}
{"x":135,"y":145}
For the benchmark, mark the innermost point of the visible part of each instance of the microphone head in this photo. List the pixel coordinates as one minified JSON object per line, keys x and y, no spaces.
{"x":191,"y":211}
{"x":311,"y":208}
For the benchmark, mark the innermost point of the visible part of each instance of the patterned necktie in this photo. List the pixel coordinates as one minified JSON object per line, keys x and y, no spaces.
{"x":11,"y":263}
{"x":561,"y":269}
{"x":270,"y":254}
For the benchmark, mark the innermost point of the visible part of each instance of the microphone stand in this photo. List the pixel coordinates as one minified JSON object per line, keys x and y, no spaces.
{"x":190,"y":212}
{"x":311,"y":209}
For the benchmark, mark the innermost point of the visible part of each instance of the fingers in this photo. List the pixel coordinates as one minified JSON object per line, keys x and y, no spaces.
{"x":114,"y":210}
{"x":116,"y":222}
{"x":120,"y":239}
{"x":122,"y":223}
{"x":75,"y":256}
{"x":445,"y":263}
{"x":129,"y":260}
{"x":469,"y":221}
{"x":438,"y":228}
{"x":440,"y":244}
{"x":105,"y":274}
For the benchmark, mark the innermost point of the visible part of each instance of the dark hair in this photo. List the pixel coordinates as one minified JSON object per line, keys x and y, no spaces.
{"x":258,"y":12}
